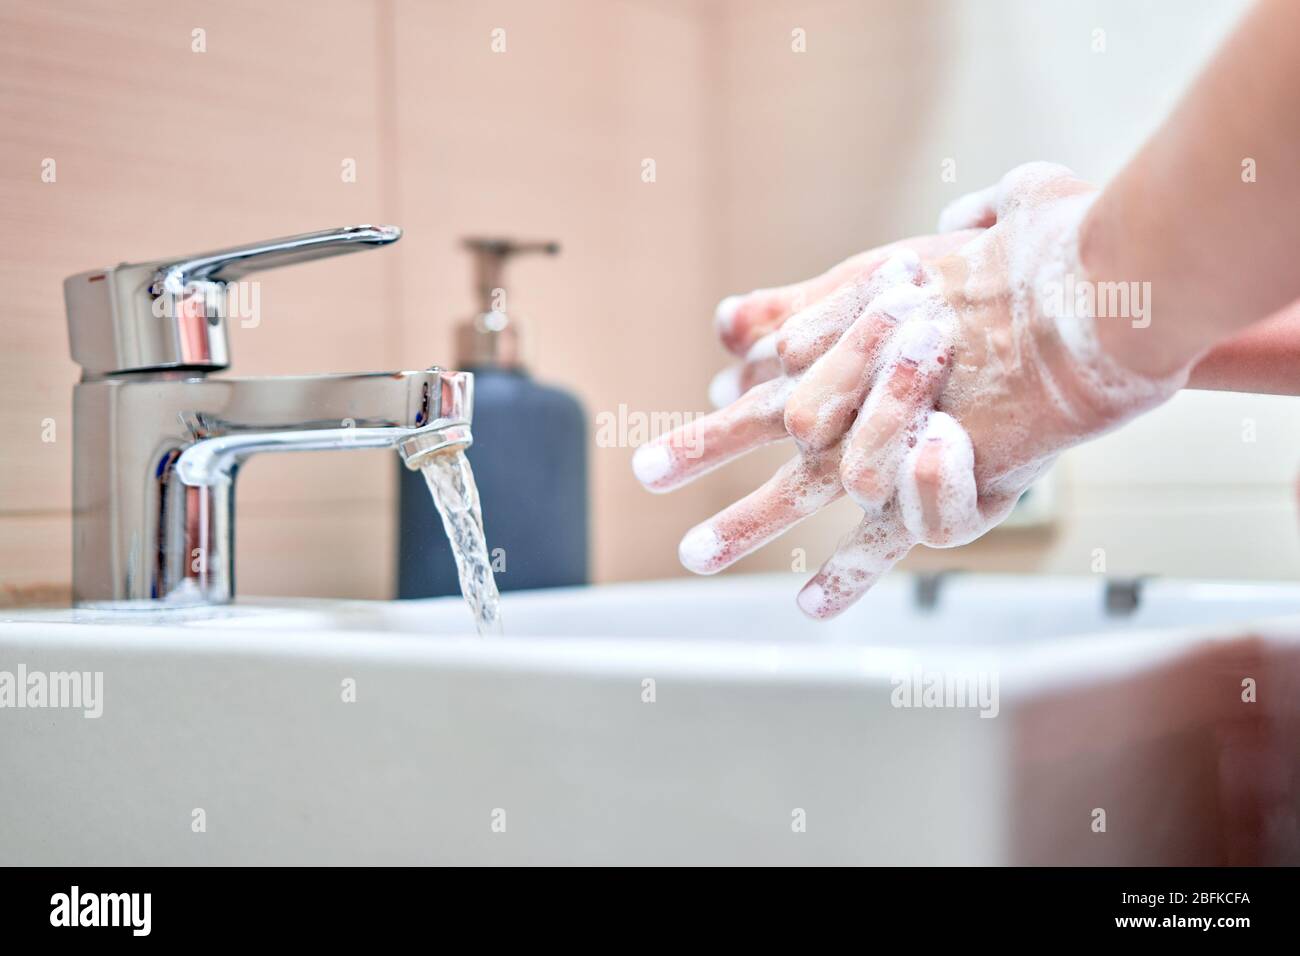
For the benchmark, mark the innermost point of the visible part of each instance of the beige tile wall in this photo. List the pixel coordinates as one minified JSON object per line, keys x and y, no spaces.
{"x":547,"y":140}
{"x":770,"y":166}
{"x":163,"y":150}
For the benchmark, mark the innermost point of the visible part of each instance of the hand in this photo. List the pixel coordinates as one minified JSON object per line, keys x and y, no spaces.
{"x":933,"y":380}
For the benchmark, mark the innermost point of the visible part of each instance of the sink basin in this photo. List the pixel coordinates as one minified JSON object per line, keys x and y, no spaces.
{"x":693,"y":721}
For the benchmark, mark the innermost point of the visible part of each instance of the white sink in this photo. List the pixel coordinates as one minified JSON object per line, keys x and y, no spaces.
{"x":761,"y":720}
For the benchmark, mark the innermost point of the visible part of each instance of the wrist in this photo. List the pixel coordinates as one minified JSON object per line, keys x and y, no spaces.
{"x":1103,"y":363}
{"x":1127,"y":257}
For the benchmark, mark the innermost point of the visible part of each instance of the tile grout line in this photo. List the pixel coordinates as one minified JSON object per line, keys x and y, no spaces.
{"x":390,"y":165}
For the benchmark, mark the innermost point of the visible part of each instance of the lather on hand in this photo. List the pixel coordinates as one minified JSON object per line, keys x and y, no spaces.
{"x":931,"y":380}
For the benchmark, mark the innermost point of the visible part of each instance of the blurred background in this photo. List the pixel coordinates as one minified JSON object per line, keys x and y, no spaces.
{"x":784,"y":136}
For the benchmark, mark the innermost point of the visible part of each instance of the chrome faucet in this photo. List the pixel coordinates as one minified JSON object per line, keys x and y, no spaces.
{"x":157,"y":442}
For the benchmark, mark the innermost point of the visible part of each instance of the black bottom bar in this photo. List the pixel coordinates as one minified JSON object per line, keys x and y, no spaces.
{"x":336,"y":905}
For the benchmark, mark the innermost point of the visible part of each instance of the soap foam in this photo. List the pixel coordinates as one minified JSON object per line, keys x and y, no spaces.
{"x":902,"y":267}
{"x":870,"y":474}
{"x":971,"y":211}
{"x":1116,"y":387}
{"x":863,"y":555}
{"x":956,"y":501}
{"x":903,"y":302}
{"x":1036,"y":249}
{"x":1036,"y":246}
{"x":724,"y":318}
{"x":699,"y":549}
{"x":651,"y":463}
{"x":725,"y":387}
{"x":809,"y":333}
{"x":921,"y":342}
{"x":764,"y":350}
{"x":1042,"y":249}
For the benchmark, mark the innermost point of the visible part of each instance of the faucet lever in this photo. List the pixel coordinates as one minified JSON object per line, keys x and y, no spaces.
{"x":229,"y":265}
{"x":171,"y":313}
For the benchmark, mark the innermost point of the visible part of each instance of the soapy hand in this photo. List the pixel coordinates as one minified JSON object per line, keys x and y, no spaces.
{"x":932,"y":380}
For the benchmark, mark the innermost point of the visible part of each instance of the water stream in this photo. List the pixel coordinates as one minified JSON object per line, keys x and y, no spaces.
{"x":451,"y":482}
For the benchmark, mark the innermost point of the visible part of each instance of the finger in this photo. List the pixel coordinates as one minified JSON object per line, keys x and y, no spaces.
{"x":800,"y":488}
{"x":977,"y":210}
{"x":859,"y":561}
{"x":726,"y":386}
{"x":995,"y":509}
{"x":999,"y":495}
{"x":761,"y":362}
{"x":712,"y":440}
{"x":936,"y":491}
{"x":893,"y":413}
{"x":807,"y":336}
{"x":828,"y":397}
{"x":756,"y":373}
{"x":1028,"y":182}
{"x":760,"y":365}
{"x":742,"y":320}
{"x":1035,"y":182}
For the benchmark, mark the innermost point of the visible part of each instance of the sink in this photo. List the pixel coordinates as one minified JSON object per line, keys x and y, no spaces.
{"x":679,"y":722}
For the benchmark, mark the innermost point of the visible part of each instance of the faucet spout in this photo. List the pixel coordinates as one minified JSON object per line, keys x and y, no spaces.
{"x":156,"y":457}
{"x":428,"y":410}
{"x":157,"y":443}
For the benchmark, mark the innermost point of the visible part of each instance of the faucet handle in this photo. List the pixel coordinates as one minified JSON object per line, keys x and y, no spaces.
{"x":230,"y":265}
{"x":171,"y":313}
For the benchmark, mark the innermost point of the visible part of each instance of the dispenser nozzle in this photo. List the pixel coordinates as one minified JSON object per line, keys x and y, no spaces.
{"x":490,"y":255}
{"x":490,"y":338}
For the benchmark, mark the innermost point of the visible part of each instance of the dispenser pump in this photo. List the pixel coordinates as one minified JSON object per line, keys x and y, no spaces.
{"x":491,"y":338}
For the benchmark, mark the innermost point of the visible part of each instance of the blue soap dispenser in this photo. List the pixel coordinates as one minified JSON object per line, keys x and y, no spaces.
{"x":529,"y":457}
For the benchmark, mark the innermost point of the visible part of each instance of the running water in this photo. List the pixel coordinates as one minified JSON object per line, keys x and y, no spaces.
{"x":451,"y":482}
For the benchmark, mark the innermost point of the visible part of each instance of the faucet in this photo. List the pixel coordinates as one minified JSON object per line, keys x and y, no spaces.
{"x":158,"y":439}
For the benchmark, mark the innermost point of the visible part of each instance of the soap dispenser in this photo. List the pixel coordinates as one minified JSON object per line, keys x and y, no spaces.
{"x":529,"y":457}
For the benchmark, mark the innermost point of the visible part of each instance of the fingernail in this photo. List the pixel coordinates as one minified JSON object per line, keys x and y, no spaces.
{"x":725,"y":387}
{"x":901,"y":302}
{"x":651,"y":464}
{"x":940,"y":426}
{"x":902,"y":266}
{"x":764,"y":349}
{"x":812,"y":600}
{"x":725,"y":316}
{"x":920,"y":342}
{"x":699,"y":550}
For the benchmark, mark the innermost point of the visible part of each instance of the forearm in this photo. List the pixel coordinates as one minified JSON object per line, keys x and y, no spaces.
{"x":1264,"y":357}
{"x":1217,"y":248}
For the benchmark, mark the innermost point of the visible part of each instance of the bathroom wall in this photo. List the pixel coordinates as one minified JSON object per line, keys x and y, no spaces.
{"x":162,"y":148}
{"x":548,"y":139}
{"x":768,"y":166}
